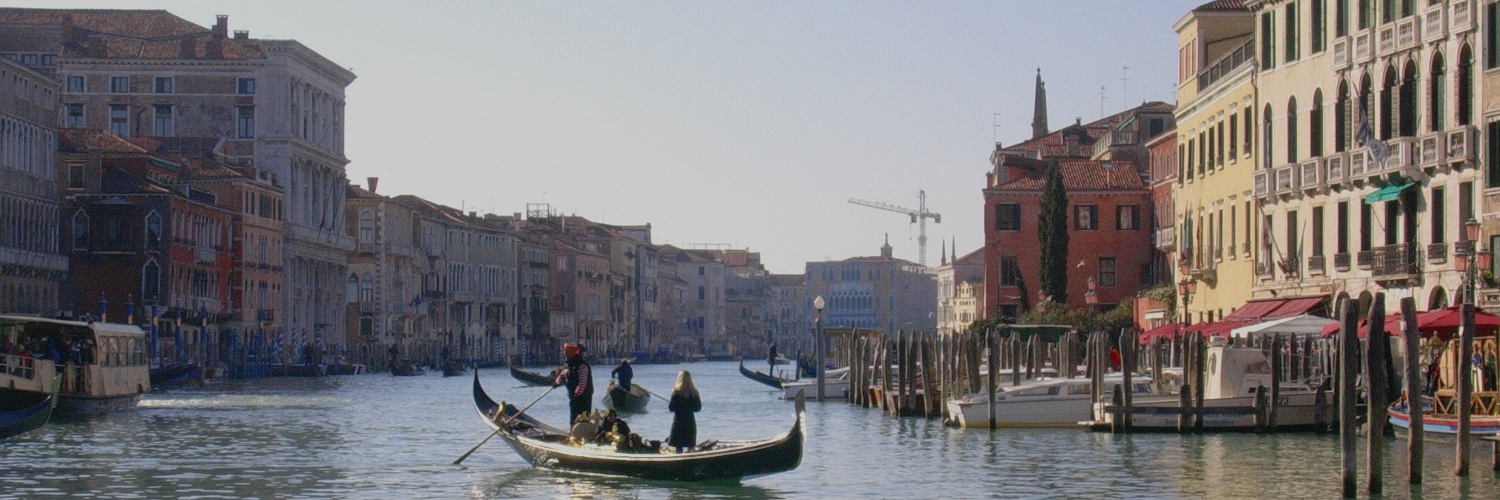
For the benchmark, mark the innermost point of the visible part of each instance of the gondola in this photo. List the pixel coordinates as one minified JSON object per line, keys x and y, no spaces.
{"x":406,"y":370}
{"x":454,"y":369}
{"x":21,"y":411}
{"x":531,"y":378}
{"x":546,"y":447}
{"x":770,"y":380}
{"x":626,"y":401}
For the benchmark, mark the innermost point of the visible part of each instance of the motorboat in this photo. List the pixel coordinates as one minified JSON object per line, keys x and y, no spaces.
{"x":1041,"y":402}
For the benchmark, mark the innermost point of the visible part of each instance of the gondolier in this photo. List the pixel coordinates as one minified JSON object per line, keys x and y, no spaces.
{"x":579,"y":380}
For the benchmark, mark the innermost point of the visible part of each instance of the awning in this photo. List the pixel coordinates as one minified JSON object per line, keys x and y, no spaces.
{"x":1254,"y":311}
{"x":1294,"y":307}
{"x":1297,"y":325}
{"x":1387,"y":193}
{"x":1167,"y":330}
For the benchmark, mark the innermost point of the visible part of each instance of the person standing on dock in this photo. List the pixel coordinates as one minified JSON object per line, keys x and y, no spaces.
{"x":683,"y":405}
{"x":580,"y":381}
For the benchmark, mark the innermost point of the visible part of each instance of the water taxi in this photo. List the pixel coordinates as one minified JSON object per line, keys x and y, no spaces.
{"x":94,"y":367}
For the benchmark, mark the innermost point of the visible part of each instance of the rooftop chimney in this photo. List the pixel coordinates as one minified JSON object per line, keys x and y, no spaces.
{"x":372,"y":181}
{"x":242,"y":34}
{"x":221,"y":26}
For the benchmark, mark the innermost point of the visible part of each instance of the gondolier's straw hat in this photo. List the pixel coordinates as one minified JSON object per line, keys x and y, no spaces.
{"x":572,"y":349}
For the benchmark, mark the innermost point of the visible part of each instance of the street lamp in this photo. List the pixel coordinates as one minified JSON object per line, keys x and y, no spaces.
{"x":1186,"y":287}
{"x":1471,"y":260}
{"x":1092,"y":296}
{"x":818,"y":304}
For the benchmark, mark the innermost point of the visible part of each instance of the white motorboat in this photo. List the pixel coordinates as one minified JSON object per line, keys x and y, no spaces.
{"x":835,"y":386}
{"x":1042,"y":402}
{"x":1230,"y":381}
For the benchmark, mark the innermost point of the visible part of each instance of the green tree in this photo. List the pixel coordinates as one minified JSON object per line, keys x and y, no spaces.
{"x":1053,"y":233}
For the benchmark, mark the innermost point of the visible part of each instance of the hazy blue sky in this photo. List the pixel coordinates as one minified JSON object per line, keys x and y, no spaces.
{"x":742,"y":123}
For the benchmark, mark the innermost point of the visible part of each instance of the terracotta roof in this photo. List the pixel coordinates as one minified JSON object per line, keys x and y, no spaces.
{"x":1221,"y":5}
{"x":787,"y":279}
{"x":133,"y":34}
{"x":1085,"y":176}
{"x":83,"y":140}
{"x":975,"y":257}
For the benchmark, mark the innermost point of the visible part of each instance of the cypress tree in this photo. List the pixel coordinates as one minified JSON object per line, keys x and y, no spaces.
{"x":1053,"y":233}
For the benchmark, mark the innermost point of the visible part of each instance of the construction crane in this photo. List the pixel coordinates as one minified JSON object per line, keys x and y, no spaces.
{"x":918,"y":216}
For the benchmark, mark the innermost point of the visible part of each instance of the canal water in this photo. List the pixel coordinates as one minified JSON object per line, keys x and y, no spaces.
{"x":377,"y":436}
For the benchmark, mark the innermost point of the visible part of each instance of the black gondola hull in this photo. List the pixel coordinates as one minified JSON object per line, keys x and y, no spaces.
{"x":531,"y":378}
{"x":760,"y":377}
{"x":22,"y":411}
{"x":544,"y":447}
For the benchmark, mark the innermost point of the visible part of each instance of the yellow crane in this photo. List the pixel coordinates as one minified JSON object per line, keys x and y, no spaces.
{"x":918,"y":216}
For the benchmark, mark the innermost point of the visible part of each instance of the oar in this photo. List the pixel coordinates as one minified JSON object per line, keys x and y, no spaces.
{"x":502,"y":425}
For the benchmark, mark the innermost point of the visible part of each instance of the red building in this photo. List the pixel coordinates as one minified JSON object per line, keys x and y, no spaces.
{"x":142,"y":243}
{"x":1104,"y":166}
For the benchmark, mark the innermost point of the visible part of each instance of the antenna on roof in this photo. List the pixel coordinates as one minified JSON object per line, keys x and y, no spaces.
{"x":1125,"y":85}
{"x":995,"y":126}
{"x":1101,"y":101}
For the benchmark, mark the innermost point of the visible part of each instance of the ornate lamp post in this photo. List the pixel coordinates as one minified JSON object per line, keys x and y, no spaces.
{"x":1471,"y":260}
{"x":818,"y":304}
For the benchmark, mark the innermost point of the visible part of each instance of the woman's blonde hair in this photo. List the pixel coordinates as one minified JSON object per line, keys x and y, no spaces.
{"x":685,"y":384}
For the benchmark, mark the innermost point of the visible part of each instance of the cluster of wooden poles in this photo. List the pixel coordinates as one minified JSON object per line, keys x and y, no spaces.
{"x":1381,"y":388}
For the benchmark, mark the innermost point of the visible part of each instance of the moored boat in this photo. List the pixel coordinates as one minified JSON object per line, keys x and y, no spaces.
{"x":1043,"y":402}
{"x":548,"y":447}
{"x":22,"y":411}
{"x":454,"y":369}
{"x":835,"y":386}
{"x":626,"y":401}
{"x":105,"y":368}
{"x":406,"y":370}
{"x":1229,"y":394}
{"x":1443,"y":425}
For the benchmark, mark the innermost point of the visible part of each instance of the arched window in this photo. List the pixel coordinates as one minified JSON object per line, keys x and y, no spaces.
{"x":1408,"y":117}
{"x":1291,"y":130}
{"x":366,"y":226}
{"x":1388,"y":102}
{"x":1315,"y":125}
{"x":1465,"y":86}
{"x":153,"y":231}
{"x":351,"y":289}
{"x":81,"y":230}
{"x":150,"y":281}
{"x":1266,"y":137}
{"x":367,"y":288}
{"x":1437,"y":88}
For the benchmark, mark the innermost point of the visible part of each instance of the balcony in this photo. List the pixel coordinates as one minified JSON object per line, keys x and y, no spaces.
{"x":1385,"y":40}
{"x":1286,"y":181}
{"x":1262,"y":183}
{"x":1311,"y":177}
{"x":1166,"y":238}
{"x":1433,"y":24}
{"x":1461,"y":15}
{"x":1408,"y":32}
{"x":1365,"y":259}
{"x":1432,"y":151}
{"x":1397,"y":261}
{"x":1226,"y":65}
{"x":1334,"y":168}
{"x":1461,"y":144}
{"x":367,"y":307}
{"x":366,"y":247}
{"x":1437,"y":253}
{"x":1341,"y":53}
{"x":1357,"y":161}
{"x":1316,"y":265}
{"x":1341,"y":261}
{"x":1364,"y":47}
{"x":205,"y":255}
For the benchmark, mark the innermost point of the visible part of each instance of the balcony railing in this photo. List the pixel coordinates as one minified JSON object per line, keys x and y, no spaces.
{"x":1341,"y":53}
{"x":1311,"y":174}
{"x":1357,"y":161}
{"x":1462,"y":18}
{"x":1365,"y":259}
{"x":1166,"y":238}
{"x":367,"y":307}
{"x":1386,"y":39}
{"x":1262,"y":183}
{"x":1433,"y":20}
{"x":367,"y":247}
{"x":1341,"y":261}
{"x":1226,"y":65}
{"x":1437,"y":252}
{"x":205,"y":255}
{"x":1364,"y":46}
{"x":1286,"y":181}
{"x":1316,"y":265}
{"x":1461,"y":144}
{"x":1408,"y":32}
{"x":1432,"y":150}
{"x":1399,"y":260}
{"x":1335,"y":168}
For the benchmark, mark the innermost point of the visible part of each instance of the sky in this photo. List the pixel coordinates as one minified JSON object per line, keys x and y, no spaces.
{"x":725,"y":124}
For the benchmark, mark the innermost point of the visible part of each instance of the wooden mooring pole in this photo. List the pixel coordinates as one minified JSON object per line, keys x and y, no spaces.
{"x":1375,"y":394}
{"x":994,"y":359}
{"x":1465,"y":388}
{"x":1414,"y":434}
{"x":1348,"y":350}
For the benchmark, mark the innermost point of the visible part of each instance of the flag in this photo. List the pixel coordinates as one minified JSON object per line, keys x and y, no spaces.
{"x":1379,"y":151}
{"x":416,"y":301}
